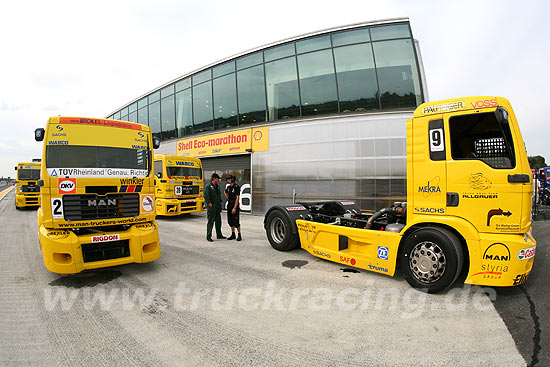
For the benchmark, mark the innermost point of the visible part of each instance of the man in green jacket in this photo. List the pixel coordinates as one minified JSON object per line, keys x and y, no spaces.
{"x":213,"y":201}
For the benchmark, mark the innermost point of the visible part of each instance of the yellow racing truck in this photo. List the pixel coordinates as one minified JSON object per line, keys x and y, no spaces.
{"x":468,"y":206}
{"x":179,"y":185}
{"x":27,"y":192}
{"x":97,"y":194}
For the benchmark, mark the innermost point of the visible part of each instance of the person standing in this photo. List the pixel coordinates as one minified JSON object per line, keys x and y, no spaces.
{"x":232,"y":194}
{"x":213,"y":200}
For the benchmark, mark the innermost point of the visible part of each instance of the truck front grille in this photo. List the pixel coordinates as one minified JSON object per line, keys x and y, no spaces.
{"x":30,"y":188}
{"x":90,"y":206}
{"x":105,"y":250}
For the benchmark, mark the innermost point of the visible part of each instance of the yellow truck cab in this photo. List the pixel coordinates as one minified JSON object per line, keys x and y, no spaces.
{"x":97,"y":194}
{"x":179,"y":185}
{"x":27,"y":192}
{"x":468,"y":206}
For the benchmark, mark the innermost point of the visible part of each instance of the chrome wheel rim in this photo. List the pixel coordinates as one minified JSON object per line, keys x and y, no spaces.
{"x":278,"y":230}
{"x":427,"y":262}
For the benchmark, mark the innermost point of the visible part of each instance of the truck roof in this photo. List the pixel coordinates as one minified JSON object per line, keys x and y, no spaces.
{"x":459,"y":104}
{"x":98,"y":122}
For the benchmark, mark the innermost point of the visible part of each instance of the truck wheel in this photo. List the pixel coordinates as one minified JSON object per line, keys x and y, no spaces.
{"x":279,"y":232}
{"x":431,"y":259}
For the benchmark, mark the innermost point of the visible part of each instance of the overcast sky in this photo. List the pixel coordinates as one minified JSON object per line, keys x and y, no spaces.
{"x":75,"y":58}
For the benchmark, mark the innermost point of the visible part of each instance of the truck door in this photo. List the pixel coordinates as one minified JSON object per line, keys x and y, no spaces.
{"x":428,"y":168}
{"x":483,"y":174}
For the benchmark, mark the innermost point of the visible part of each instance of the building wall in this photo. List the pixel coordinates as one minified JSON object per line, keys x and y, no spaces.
{"x":361,"y":158}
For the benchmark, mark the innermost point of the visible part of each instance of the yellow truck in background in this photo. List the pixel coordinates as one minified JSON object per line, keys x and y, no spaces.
{"x":469,"y":195}
{"x":179,"y":185}
{"x":27,"y":192}
{"x":97,"y":192}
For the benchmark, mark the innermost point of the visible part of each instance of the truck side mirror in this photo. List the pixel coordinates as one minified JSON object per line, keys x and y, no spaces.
{"x":39,"y":134}
{"x":15,"y":168}
{"x":40,"y":183}
{"x":501,"y":116}
{"x":156,"y":142}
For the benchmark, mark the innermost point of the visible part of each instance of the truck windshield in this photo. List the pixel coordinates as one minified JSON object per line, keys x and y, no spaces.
{"x":184,"y":171}
{"x":80,"y":156}
{"x":28,"y":174}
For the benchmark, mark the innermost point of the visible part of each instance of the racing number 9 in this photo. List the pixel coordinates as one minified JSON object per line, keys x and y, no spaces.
{"x":57,"y":208}
{"x":436,"y":140}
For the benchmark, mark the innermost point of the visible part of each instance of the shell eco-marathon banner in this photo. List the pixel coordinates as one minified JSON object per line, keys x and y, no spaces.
{"x":230,"y":142}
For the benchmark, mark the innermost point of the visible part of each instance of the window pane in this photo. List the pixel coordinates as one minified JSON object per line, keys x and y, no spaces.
{"x":249,"y":60}
{"x":154,"y":118}
{"x":282,"y":89}
{"x":390,"y":31}
{"x":124,"y":118}
{"x":313,"y":44}
{"x":479,"y":137}
{"x":165,"y":92}
{"x":202,"y":76}
{"x":117,"y":116}
{"x":317,"y":83}
{"x":397,"y":74}
{"x":184,"y":113}
{"x":143,"y":116}
{"x":124,"y":111}
{"x":132,"y":117}
{"x":132,"y":107}
{"x":142,"y":102}
{"x":357,"y":87}
{"x":225,"y":102}
{"x":202,"y":107}
{"x":251,"y":91}
{"x":346,"y":38}
{"x":154,"y":97}
{"x":224,"y":68}
{"x":183,"y":84}
{"x":168,"y":119}
{"x":279,"y":52}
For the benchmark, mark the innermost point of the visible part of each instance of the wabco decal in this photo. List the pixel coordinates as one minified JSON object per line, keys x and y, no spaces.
{"x":66,"y":185}
{"x":106,"y":238}
{"x":139,"y":147}
{"x":192,"y":164}
{"x":58,"y":142}
{"x":321,"y":254}
{"x":527,"y":253}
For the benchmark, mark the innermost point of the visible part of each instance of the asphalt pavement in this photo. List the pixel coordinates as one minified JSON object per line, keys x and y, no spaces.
{"x":243,"y":303}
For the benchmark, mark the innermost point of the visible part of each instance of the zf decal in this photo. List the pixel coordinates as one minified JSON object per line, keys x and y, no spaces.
{"x":383,"y":252}
{"x":57,"y":208}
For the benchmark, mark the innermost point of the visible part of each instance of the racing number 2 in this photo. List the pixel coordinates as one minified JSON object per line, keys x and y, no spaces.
{"x":57,"y":208}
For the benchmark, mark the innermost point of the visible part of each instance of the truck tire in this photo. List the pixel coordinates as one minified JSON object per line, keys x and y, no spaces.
{"x":279,"y":232}
{"x":431,"y":259}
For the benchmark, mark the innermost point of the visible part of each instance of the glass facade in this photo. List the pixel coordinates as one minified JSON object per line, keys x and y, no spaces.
{"x":359,"y":69}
